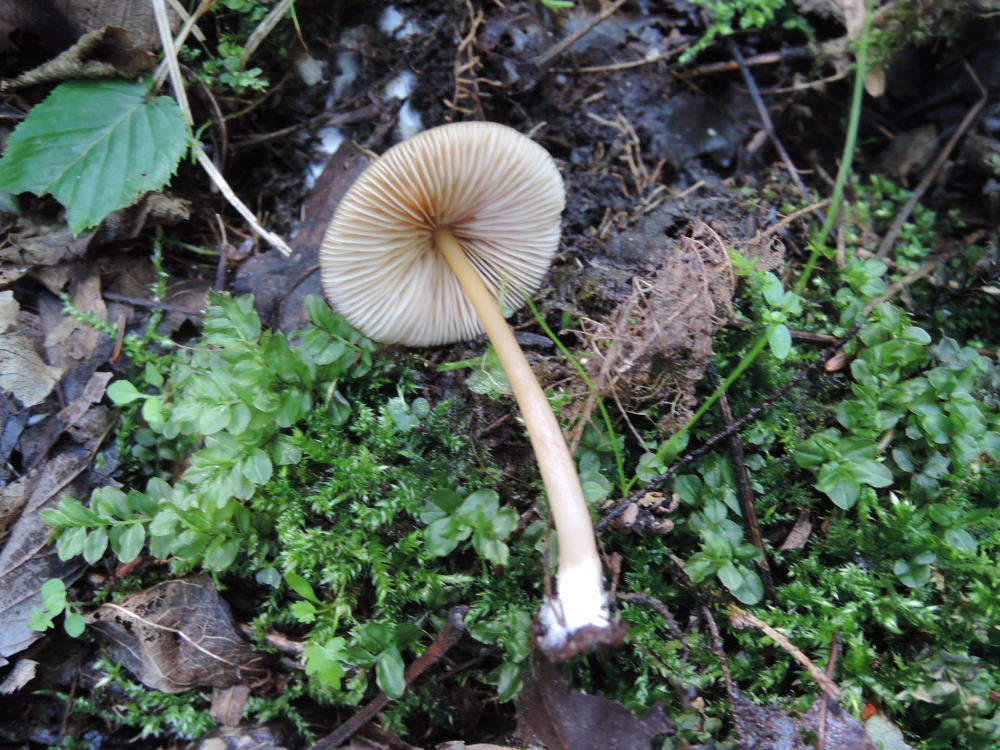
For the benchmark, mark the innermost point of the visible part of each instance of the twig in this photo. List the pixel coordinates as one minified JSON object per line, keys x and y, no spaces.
{"x":558,"y":48}
{"x":662,"y":611}
{"x":264,"y":28}
{"x":765,"y":58}
{"x":715,"y":646}
{"x":743,"y":490}
{"x":189,"y":27}
{"x":448,"y":637}
{"x":170,"y":55}
{"x":220,"y":268}
{"x":786,"y":220}
{"x":831,"y":668}
{"x":898,"y":285}
{"x":741,"y":619}
{"x":325,"y":119}
{"x":765,"y":117}
{"x":890,"y":238}
{"x":735,"y":427}
{"x":806,"y":337}
{"x":139,"y":302}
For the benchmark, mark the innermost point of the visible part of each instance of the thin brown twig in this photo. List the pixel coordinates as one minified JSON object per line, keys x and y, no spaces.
{"x":738,"y":425}
{"x":558,"y":48}
{"x":765,"y":117}
{"x":139,"y":302}
{"x":662,"y":611}
{"x":890,"y":238}
{"x":831,"y":668}
{"x":453,"y":629}
{"x":743,"y":490}
{"x":897,"y":286}
{"x":741,"y":619}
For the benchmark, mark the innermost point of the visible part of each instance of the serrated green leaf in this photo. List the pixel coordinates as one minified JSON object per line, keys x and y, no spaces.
{"x":96,"y":146}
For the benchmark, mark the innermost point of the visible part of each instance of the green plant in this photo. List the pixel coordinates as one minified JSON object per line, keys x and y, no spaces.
{"x":726,"y":16}
{"x":96,"y":146}
{"x":54,"y":603}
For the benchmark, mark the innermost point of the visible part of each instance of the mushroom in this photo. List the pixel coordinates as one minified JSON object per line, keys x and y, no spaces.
{"x":424,"y":248}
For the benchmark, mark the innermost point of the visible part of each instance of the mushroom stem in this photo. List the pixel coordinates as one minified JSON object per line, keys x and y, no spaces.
{"x":581,"y":597}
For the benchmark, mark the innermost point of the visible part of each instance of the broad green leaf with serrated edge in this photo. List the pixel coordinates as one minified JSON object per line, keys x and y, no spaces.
{"x":96,"y":146}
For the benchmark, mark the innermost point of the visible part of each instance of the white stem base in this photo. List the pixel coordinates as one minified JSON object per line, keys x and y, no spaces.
{"x":580,"y":603}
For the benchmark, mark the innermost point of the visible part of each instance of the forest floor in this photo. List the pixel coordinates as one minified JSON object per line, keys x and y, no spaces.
{"x":820,"y":575}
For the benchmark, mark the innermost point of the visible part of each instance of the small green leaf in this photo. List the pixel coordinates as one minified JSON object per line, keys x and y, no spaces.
{"x":323,"y":661}
{"x":96,"y":544}
{"x":71,"y":542}
{"x":39,"y":620}
{"x":780,"y":341}
{"x":301,"y":586}
{"x":130,"y":542}
{"x":54,"y":595}
{"x":122,"y":392}
{"x":74,"y":624}
{"x":304,"y":611}
{"x":442,"y":536}
{"x":729,"y":576}
{"x":389,"y":673}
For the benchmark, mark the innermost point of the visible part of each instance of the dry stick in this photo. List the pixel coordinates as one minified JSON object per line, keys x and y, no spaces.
{"x":765,"y":58}
{"x":765,"y":117}
{"x":661,"y":609}
{"x":263,"y":29}
{"x":743,"y":490}
{"x":897,"y":286}
{"x":189,"y":27}
{"x":831,"y":667}
{"x":741,"y":619}
{"x":139,"y":302}
{"x":557,"y":49}
{"x":735,"y":427}
{"x":448,"y":637}
{"x":806,"y":337}
{"x":177,"y":82}
{"x":890,"y":238}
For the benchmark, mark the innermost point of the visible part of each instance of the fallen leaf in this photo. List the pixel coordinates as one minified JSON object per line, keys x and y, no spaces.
{"x":228,"y":704}
{"x":178,"y":635}
{"x":550,"y":714}
{"x":103,"y":53}
{"x":9,"y":310}
{"x":800,"y":532}
{"x":27,"y":559}
{"x":22,"y":673}
{"x":22,"y":371}
{"x":253,"y":737}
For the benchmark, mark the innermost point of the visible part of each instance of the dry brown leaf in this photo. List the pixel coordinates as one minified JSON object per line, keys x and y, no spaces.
{"x":178,"y":635}
{"x":27,"y":559}
{"x":228,"y":704}
{"x":103,"y":53}
{"x":549,"y":713}
{"x":20,"y":675}
{"x":241,"y":738}
{"x":799,"y":534}
{"x":9,"y":310}
{"x":22,"y":371}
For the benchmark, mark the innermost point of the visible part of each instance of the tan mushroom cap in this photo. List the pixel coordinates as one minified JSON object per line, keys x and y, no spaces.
{"x":497,"y":190}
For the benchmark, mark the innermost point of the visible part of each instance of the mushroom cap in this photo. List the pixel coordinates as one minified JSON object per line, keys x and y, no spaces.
{"x":497,"y":190}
